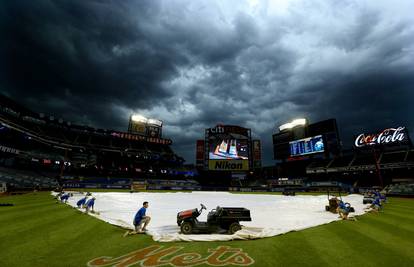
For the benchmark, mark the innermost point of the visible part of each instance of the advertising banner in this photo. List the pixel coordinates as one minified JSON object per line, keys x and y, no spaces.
{"x":257,"y":154}
{"x":200,"y":151}
{"x":138,"y":185}
{"x":390,"y":136}
{"x":9,"y":150}
{"x":228,"y":165}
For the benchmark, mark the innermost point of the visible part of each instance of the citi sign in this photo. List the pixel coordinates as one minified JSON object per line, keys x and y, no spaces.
{"x":217,"y":129}
{"x":387,"y":136}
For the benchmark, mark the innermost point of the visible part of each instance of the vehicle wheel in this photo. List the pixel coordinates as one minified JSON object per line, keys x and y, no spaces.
{"x":186,"y":228}
{"x":234,"y":227}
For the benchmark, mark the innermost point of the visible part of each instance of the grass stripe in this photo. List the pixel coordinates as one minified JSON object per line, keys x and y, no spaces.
{"x":41,"y":233}
{"x":388,"y":246}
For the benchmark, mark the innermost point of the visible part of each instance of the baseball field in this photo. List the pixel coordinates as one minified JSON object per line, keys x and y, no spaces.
{"x":36,"y":231}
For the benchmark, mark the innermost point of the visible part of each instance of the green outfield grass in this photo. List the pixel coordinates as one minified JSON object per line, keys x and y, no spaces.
{"x":39,"y":232}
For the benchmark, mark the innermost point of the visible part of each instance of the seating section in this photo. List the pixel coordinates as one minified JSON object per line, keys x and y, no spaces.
{"x":33,"y":141}
{"x":400,"y":189}
{"x":26,"y":130}
{"x":410,"y":157}
{"x":342,"y":161}
{"x":393,"y":157}
{"x":319,"y":164}
{"x":364,"y":159}
{"x":18,"y":179}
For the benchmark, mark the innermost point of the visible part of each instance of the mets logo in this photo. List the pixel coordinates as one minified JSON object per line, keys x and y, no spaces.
{"x":157,"y":256}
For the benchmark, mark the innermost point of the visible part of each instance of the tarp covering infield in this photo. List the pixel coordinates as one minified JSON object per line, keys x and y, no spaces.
{"x":271,"y":214}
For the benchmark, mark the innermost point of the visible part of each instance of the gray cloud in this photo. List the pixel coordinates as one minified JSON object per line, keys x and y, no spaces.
{"x":196,"y":63}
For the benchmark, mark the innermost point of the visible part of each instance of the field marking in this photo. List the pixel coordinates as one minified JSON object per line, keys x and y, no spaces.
{"x":155,"y":256}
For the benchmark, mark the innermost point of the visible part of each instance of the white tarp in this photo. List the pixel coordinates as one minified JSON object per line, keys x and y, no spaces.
{"x":271,"y":214}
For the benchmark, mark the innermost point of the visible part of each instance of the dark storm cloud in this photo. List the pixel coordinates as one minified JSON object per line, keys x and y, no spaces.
{"x":197,"y":63}
{"x":78,"y":58}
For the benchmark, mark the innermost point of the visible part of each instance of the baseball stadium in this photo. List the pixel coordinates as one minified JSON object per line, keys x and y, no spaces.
{"x":263,"y":216}
{"x":206,"y":133}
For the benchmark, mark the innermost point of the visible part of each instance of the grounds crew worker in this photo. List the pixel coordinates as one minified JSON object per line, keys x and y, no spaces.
{"x":82,"y":202}
{"x":141,"y":219}
{"x":343,"y":210}
{"x":90,"y":204}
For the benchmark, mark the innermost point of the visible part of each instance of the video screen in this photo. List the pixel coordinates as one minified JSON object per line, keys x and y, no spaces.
{"x":307,"y":146}
{"x":228,"y":149}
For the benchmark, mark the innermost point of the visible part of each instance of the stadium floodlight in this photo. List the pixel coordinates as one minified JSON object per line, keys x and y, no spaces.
{"x":292,"y":124}
{"x":138,"y":118}
{"x":155,"y":122}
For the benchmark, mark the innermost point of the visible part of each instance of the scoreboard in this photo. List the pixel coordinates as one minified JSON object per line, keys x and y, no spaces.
{"x":307,"y":146}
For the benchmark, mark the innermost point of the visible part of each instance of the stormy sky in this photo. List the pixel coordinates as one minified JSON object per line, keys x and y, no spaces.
{"x":196,"y":63}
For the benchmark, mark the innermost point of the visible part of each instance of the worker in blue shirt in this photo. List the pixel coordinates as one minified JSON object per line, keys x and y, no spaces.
{"x":376,"y":204}
{"x":343,"y":210}
{"x":90,"y":204}
{"x":141,"y":219}
{"x":81,"y":202}
{"x":382,"y":197}
{"x":57,"y":197}
{"x":64,"y":198}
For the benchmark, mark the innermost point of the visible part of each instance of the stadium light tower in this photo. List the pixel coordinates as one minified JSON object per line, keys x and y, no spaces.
{"x":138,"y":124}
{"x":138,"y":118}
{"x":293,"y":124}
{"x":155,"y":122}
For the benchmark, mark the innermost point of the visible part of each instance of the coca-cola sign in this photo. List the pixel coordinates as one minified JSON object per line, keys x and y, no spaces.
{"x":387,"y":136}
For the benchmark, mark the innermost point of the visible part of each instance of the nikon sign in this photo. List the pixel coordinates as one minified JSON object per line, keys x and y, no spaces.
{"x":228,"y":165}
